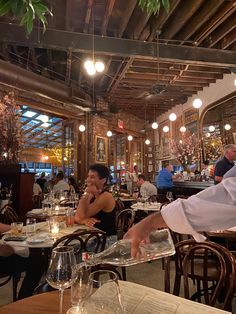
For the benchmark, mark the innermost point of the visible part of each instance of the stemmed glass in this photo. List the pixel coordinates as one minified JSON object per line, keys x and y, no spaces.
{"x":80,"y":289}
{"x":105,"y":294}
{"x":169,"y":196}
{"x":61,"y":272}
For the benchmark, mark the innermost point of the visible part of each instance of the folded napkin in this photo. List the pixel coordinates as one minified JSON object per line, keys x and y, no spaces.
{"x":22,"y":251}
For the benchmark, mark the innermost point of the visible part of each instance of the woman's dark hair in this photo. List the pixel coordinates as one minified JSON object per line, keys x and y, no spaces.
{"x":102,"y":171}
{"x":72,"y":181}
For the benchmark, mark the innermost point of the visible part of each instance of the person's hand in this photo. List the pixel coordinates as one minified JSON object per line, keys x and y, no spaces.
{"x":92,"y":189}
{"x":6,"y":250}
{"x":90,"y":222}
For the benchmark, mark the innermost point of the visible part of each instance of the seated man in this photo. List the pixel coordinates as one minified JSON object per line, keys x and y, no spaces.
{"x":165,"y":179}
{"x":10,"y":263}
{"x":147,"y":189}
{"x":61,"y":185}
{"x":97,"y":206}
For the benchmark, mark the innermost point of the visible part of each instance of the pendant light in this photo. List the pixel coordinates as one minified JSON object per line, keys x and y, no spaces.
{"x":182,"y":128}
{"x":154,"y":124}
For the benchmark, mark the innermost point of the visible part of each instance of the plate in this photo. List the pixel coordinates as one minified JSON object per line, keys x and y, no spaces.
{"x":37,"y":239}
{"x":36,"y":211}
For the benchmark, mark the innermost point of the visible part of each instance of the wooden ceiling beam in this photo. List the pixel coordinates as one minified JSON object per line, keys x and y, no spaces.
{"x":228,"y":40}
{"x":108,"y":12}
{"x":88,"y":15}
{"x":130,"y":6}
{"x":64,"y":40}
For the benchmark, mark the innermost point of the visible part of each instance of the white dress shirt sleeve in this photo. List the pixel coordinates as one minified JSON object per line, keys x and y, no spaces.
{"x":209,"y":210}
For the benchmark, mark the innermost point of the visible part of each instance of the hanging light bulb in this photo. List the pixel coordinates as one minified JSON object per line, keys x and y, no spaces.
{"x":109,"y":133}
{"x":82,"y":128}
{"x":91,"y":70}
{"x":147,"y":141}
{"x":46,"y":157}
{"x":197,"y":103}
{"x":180,"y":141}
{"x":44,"y":118}
{"x":99,"y":66}
{"x":172,"y":116}
{"x":88,"y":64}
{"x":208,"y":134}
{"x":183,"y":129}
{"x":130,"y":138}
{"x":212,"y":128}
{"x":166,"y":129}
{"x":227,"y":127}
{"x":154,"y":125}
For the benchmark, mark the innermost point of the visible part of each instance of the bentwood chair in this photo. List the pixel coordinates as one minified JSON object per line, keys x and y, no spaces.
{"x":8,"y":215}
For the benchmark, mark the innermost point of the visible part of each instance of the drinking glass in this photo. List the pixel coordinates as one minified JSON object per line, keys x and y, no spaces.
{"x":30,"y":227}
{"x":169,"y":196}
{"x":62,"y":271}
{"x":16,"y":228}
{"x":104,"y":293}
{"x":80,"y":289}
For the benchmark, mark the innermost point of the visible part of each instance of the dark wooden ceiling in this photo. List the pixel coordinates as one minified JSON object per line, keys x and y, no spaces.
{"x":141,"y":71}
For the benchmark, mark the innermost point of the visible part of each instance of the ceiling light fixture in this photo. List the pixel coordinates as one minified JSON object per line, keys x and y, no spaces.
{"x":166,"y":129}
{"x":212,"y":128}
{"x":197,"y":103}
{"x":82,"y":127}
{"x":109,"y":133}
{"x":147,"y":141}
{"x":172,"y":117}
{"x":44,"y":118}
{"x":154,"y":125}
{"x":208,"y":134}
{"x":227,"y":127}
{"x":183,"y":129}
{"x":130,"y":138}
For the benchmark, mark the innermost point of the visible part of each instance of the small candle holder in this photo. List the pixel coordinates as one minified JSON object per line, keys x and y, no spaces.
{"x":54,"y":227}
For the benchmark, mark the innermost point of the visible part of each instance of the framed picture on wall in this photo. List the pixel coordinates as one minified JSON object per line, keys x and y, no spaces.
{"x":100,"y":149}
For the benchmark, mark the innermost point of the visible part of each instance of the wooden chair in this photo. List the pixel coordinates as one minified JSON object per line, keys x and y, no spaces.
{"x":37,"y":201}
{"x":125,"y":220}
{"x":5,"y":278}
{"x":8,"y":215}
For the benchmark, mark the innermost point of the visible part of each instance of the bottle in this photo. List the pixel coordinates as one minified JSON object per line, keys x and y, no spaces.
{"x":119,"y":254}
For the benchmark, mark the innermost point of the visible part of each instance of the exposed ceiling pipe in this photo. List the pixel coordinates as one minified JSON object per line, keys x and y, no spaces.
{"x":25,"y":80}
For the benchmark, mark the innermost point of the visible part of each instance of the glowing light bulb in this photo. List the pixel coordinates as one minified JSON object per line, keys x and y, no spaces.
{"x":82,"y":128}
{"x":46,"y":157}
{"x":154,"y":125}
{"x":197,"y":103}
{"x":109,"y":133}
{"x":91,"y":70}
{"x":208,"y":134}
{"x":88,"y":64}
{"x":172,"y":116}
{"x":147,"y":141}
{"x":44,"y":118}
{"x":212,"y":128}
{"x":99,"y":66}
{"x":130,"y":138}
{"x":182,"y":129}
{"x":180,"y":141}
{"x":227,"y":127}
{"x":166,"y":129}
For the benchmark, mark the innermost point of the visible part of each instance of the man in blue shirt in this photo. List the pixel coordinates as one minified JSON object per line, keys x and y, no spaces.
{"x":165,"y":179}
{"x":226,"y":163}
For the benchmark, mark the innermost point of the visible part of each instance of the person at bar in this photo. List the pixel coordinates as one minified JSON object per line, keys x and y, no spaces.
{"x":97,"y":206}
{"x":147,"y":189}
{"x":226,"y":163}
{"x":165,"y":179}
{"x":10,"y":263}
{"x":211,"y":209}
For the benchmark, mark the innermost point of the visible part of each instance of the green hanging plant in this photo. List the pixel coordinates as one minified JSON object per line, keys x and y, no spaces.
{"x":153,"y":6}
{"x":27,"y":11}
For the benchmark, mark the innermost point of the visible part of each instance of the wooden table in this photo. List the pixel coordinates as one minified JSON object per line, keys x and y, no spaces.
{"x":136,"y":299}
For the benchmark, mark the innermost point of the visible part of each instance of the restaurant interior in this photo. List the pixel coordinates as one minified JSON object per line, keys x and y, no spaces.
{"x":134,"y":86}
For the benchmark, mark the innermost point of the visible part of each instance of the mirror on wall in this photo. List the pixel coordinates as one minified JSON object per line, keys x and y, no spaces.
{"x":218,"y":128}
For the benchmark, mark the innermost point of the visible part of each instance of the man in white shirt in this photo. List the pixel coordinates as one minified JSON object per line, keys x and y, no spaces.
{"x":147,"y":189}
{"x":61,"y":185}
{"x":209,"y":210}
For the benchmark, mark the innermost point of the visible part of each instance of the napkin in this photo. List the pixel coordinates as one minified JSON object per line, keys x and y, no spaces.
{"x":18,"y":250}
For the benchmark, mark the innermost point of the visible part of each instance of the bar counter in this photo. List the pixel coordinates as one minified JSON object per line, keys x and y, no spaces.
{"x":190,"y":187}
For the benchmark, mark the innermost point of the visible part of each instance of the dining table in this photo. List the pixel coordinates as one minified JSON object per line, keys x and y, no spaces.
{"x":152,"y":207}
{"x":135,"y":298}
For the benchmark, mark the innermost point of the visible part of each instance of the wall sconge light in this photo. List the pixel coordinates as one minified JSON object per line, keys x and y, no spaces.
{"x":197,"y":103}
{"x":166,"y":129}
{"x":227,"y":127}
{"x":172,"y":116}
{"x":154,"y":125}
{"x":212,"y":128}
{"x":109,"y":133}
{"x":183,"y":129}
{"x":130,"y":138}
{"x":147,"y":141}
{"x":82,"y":128}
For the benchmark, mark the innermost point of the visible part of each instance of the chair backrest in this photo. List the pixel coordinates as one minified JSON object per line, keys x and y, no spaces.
{"x":84,"y":241}
{"x":8,"y":215}
{"x":125,"y":220}
{"x":210,"y":262}
{"x":119,"y":205}
{"x":37,"y":201}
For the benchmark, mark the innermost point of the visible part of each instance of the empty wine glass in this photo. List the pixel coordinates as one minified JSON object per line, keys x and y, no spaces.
{"x":169,"y":196}
{"x":62,"y":271}
{"x":80,"y":289}
{"x":105,"y":294}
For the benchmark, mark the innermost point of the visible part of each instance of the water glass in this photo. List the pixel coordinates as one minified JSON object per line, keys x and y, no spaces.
{"x":16,"y":228}
{"x":70,"y":217}
{"x":30,"y":227}
{"x":105,"y":294}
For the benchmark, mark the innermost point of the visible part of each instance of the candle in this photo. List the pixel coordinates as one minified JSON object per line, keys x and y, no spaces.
{"x":55,"y":229}
{"x":57,"y":207}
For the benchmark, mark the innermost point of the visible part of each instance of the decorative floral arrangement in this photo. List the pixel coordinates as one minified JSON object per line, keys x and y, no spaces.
{"x":186,"y":150}
{"x":11,"y":139}
{"x":213,"y":148}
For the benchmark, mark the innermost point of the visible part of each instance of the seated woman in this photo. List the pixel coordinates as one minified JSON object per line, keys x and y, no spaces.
{"x":97,"y":206}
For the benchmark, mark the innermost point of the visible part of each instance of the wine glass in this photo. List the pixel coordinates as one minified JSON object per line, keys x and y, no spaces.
{"x":169,"y":196}
{"x":62,"y":271}
{"x":80,"y":289}
{"x":105,"y":294}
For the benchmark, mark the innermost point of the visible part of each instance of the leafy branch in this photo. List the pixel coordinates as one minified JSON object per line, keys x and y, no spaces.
{"x":27,"y":11}
{"x":154,"y":6}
